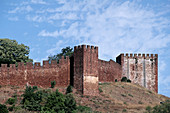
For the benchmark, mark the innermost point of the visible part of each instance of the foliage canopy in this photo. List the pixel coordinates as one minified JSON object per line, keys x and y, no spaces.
{"x":11,"y":52}
{"x":68,"y":51}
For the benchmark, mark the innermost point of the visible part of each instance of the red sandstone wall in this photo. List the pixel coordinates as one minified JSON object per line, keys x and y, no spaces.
{"x":90,"y":77}
{"x":140,"y":69}
{"x":86,"y":69}
{"x":78,"y":68}
{"x":36,"y":75}
{"x":109,"y":71}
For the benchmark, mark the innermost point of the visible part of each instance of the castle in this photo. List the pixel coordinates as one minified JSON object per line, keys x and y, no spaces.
{"x":84,"y":70}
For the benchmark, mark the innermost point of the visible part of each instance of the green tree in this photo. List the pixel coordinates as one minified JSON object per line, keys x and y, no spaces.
{"x":11,"y":52}
{"x":68,"y":51}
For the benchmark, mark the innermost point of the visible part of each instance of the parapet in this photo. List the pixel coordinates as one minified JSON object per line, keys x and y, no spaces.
{"x":86,"y":48}
{"x":139,"y":55}
{"x":36,"y":65}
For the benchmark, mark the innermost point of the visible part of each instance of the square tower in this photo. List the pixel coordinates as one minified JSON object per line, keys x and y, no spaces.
{"x":141,"y":69}
{"x":86,"y":69}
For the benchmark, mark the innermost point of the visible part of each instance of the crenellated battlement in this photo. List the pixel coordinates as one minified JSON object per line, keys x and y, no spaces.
{"x":86,"y":48}
{"x":141,"y":69}
{"x":139,"y":55}
{"x":84,"y":70}
{"x":35,"y":74}
{"x":36,"y":65}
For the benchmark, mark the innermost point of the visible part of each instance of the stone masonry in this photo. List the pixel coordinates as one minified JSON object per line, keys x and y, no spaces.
{"x":84,"y":70}
{"x":140,"y":69}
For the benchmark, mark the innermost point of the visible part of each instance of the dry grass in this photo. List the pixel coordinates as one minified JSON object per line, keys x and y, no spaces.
{"x":115,"y":97}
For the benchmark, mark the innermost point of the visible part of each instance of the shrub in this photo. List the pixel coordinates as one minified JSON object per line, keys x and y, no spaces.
{"x":11,"y":108}
{"x":140,"y":102}
{"x":116,"y":80}
{"x":124,"y":110}
{"x":0,"y":86}
{"x":84,"y":109}
{"x":70,"y":103}
{"x":148,"y":109}
{"x":3,"y":108}
{"x":100,"y":90}
{"x":31,"y":100}
{"x":123,"y":95}
{"x":124,"y":79}
{"x":130,"y":95}
{"x":69,"y":89}
{"x":128,"y":80}
{"x":163,"y":108}
{"x":124,"y":102}
{"x":53,"y":83}
{"x":11,"y":101}
{"x":57,"y":102}
{"x":35,"y":87}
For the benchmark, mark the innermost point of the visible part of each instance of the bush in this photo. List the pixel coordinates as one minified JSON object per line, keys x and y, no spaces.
{"x":100,"y":90}
{"x":45,"y":101}
{"x":11,"y":108}
{"x":69,"y":89}
{"x":116,"y":80}
{"x":148,"y":109}
{"x":70,"y":103}
{"x":124,"y":79}
{"x":124,"y":110}
{"x":3,"y":108}
{"x":128,"y":80}
{"x":57,"y":102}
{"x":163,"y":108}
{"x":53,"y":83}
{"x":11,"y":101}
{"x":35,"y":88}
{"x":32,"y":101}
{"x":84,"y":109}
{"x":140,"y":102}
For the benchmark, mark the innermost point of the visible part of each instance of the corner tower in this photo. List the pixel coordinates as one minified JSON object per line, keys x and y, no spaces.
{"x":140,"y":69}
{"x":86,"y":69}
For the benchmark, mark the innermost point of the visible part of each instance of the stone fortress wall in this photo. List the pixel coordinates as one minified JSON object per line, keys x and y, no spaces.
{"x":36,"y":74}
{"x":84,"y":70}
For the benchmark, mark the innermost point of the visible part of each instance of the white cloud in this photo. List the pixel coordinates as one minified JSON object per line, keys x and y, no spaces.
{"x":57,"y":48}
{"x":36,"y":18}
{"x":13,"y":18}
{"x":118,"y":27}
{"x":38,"y":2}
{"x":48,"y":34}
{"x":112,"y":25}
{"x":21,"y":9}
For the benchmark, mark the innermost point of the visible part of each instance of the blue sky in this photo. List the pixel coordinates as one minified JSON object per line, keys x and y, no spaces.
{"x":116,"y":26}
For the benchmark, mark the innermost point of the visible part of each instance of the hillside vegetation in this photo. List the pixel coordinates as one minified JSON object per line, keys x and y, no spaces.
{"x":113,"y":97}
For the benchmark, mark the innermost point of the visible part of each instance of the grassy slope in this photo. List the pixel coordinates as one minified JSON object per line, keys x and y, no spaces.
{"x":118,"y":97}
{"x":115,"y":97}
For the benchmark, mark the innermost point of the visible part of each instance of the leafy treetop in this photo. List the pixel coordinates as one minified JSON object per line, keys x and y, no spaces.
{"x":68,"y":51}
{"x":11,"y":52}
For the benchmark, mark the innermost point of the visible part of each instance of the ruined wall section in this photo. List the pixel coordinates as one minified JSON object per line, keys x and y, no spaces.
{"x":109,"y":71}
{"x":36,"y":74}
{"x":140,"y":69}
{"x":86,"y":69}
